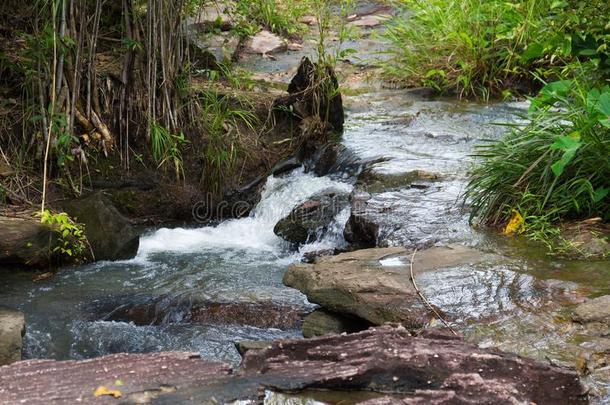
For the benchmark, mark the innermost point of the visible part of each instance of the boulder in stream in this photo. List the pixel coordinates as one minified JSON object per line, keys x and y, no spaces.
{"x":374,"y":284}
{"x":265,"y":43}
{"x":311,"y":218}
{"x":110,"y":234}
{"x":12,"y":330}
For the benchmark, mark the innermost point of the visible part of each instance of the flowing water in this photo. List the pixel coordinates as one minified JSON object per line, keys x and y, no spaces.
{"x":518,"y":305}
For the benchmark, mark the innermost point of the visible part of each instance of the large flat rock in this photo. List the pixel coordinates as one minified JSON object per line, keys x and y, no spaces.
{"x":594,"y":310}
{"x":385,"y":361}
{"x":374,"y":284}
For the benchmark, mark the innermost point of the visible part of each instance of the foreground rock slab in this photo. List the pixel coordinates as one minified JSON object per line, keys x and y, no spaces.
{"x":135,"y":376}
{"x":374,"y":284}
{"x":12,"y":330}
{"x":435,"y":369}
{"x":398,"y":367}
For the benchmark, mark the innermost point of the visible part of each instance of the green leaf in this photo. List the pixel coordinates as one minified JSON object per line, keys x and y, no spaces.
{"x":600,"y":194}
{"x":569,"y":144}
{"x":588,"y":52}
{"x":533,"y":51}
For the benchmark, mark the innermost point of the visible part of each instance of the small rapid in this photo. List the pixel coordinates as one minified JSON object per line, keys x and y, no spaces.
{"x":253,"y":233}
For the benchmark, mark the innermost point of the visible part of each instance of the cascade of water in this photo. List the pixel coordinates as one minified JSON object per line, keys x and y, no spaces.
{"x":279,"y":197}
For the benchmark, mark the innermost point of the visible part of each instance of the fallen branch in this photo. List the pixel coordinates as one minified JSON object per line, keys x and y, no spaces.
{"x":425,"y":301}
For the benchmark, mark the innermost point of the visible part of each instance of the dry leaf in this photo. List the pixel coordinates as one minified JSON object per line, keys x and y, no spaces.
{"x":515,"y":225}
{"x":101,"y":390}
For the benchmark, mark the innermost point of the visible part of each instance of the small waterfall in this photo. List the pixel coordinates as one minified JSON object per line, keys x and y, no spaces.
{"x":279,"y":197}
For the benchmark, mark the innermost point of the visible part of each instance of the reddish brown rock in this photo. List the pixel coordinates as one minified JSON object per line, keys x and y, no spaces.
{"x":133,"y":375}
{"x":431,"y":371}
{"x":387,"y":360}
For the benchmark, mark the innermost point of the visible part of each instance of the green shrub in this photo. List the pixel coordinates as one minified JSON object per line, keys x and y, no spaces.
{"x":554,"y":168}
{"x":483,"y":47}
{"x":71,"y":239}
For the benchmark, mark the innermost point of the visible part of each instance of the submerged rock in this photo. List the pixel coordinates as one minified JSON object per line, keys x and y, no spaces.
{"x":312,"y":218}
{"x":12,"y":330}
{"x":364,"y":284}
{"x":110,"y":234}
{"x":374,"y":182}
{"x":335,"y":158}
{"x":371,"y":223}
{"x":25,"y":241}
{"x":168,"y":310}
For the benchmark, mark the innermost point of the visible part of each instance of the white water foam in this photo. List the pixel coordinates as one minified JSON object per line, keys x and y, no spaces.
{"x":279,"y":197}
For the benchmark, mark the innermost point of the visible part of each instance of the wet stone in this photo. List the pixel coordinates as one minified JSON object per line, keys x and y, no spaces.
{"x":246,"y":345}
{"x":374,"y":284}
{"x":311,"y":219}
{"x":593,"y":310}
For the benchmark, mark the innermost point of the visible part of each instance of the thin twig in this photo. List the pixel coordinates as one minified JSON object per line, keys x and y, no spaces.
{"x":439,"y":316}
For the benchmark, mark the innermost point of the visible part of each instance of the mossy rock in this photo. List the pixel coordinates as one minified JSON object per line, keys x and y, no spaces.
{"x":110,"y":234}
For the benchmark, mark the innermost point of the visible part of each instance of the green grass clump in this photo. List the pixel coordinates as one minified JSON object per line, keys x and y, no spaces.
{"x":554,"y":168}
{"x":278,"y":16}
{"x":491,"y":47}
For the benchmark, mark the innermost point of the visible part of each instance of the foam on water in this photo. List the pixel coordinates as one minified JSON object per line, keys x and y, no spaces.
{"x":279,"y":197}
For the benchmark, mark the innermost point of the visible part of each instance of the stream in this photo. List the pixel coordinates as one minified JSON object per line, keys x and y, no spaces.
{"x":242,"y":260}
{"x":520,"y":307}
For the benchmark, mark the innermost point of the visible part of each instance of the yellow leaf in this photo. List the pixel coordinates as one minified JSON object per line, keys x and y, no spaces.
{"x":515,"y":225}
{"x":101,"y":390}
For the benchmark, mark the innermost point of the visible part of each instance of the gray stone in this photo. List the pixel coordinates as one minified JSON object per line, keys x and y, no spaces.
{"x":245,"y":345}
{"x":593,"y":310}
{"x":12,"y":330}
{"x":358,"y":284}
{"x":266,"y":42}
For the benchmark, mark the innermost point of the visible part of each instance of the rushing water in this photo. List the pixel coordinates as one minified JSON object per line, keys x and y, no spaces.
{"x":237,"y":260}
{"x":515,"y":305}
